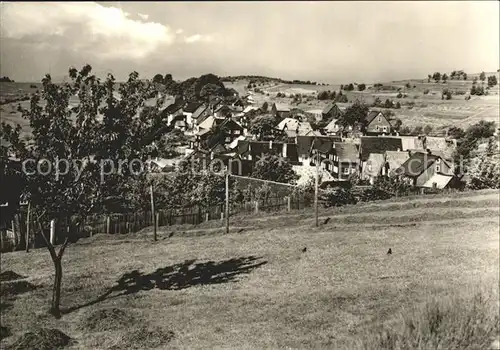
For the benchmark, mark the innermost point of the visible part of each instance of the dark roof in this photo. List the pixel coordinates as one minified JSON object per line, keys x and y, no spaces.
{"x":174,"y":107}
{"x":192,"y":106}
{"x":416,"y":164}
{"x":371,"y":115}
{"x":346,"y":151}
{"x":199,"y":111}
{"x":322,"y":144}
{"x":258,"y":148}
{"x":376,"y":144}
{"x":230,"y":124}
{"x":304,"y":143}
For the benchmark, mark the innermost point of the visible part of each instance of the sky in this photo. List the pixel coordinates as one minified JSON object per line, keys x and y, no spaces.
{"x":332,"y":42}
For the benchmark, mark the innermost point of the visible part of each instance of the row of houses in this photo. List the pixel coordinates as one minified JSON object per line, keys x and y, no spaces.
{"x":218,"y":130}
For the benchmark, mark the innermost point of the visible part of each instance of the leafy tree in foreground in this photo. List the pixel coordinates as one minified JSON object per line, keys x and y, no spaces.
{"x":274,"y":168}
{"x":354,"y":114}
{"x":262,"y":125}
{"x":482,"y":76}
{"x":76,"y":141}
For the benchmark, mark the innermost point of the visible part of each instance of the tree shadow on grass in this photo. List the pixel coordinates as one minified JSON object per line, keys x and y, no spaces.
{"x":179,"y":276}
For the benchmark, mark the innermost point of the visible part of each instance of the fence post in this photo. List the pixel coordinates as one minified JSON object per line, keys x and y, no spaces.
{"x":206,"y":216}
{"x":288,"y":203}
{"x":221,"y":216}
{"x":157,"y":220}
{"x":108,"y":223}
{"x":256,"y":207}
{"x":53,"y":231}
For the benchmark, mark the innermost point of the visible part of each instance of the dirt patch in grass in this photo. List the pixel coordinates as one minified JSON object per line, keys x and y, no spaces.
{"x":10,"y":276}
{"x":42,"y":339}
{"x":9,"y":289}
{"x":145,"y":338}
{"x":108,"y":319}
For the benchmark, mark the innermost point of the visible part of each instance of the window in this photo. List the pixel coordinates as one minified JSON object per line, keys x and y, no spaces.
{"x":438,"y":168}
{"x":378,"y":128}
{"x":385,"y":128}
{"x":434,"y":185}
{"x":438,"y":161}
{"x":379,"y":119}
{"x":369,"y":167}
{"x":346,"y":171}
{"x":236,"y":132}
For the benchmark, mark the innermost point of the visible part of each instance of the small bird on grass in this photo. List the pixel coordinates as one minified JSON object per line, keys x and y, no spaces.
{"x":326,"y":221}
{"x":389,"y":252}
{"x":304,"y":249}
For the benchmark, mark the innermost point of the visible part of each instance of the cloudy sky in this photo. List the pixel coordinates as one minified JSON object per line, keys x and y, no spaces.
{"x":323,"y":41}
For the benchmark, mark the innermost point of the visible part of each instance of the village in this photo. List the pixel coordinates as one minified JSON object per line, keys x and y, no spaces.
{"x":217,"y":129}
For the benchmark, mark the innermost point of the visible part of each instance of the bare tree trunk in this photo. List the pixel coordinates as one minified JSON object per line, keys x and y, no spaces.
{"x":28,"y":228}
{"x":57,"y":260}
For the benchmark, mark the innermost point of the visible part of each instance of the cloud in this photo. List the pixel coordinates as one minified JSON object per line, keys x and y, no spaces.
{"x":90,"y":28}
{"x":143,"y":16}
{"x":179,"y":31}
{"x":197,"y":38}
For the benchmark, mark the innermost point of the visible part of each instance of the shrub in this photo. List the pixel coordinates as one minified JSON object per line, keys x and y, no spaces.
{"x":399,"y":95}
{"x":337,"y":197}
{"x":42,"y":339}
{"x":374,"y":194}
{"x":426,"y":91}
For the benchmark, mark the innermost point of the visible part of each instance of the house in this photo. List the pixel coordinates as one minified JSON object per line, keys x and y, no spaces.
{"x":379,"y":145}
{"x":345,"y":160}
{"x":215,"y":131}
{"x":445,"y":147}
{"x":223,"y":111}
{"x":393,"y":160}
{"x":333,"y":128}
{"x":162,"y":164}
{"x":280,"y":111}
{"x":307,"y":145}
{"x":188,"y":111}
{"x":317,"y":114}
{"x":372,"y":167}
{"x":331,"y":111}
{"x":375,"y":123}
{"x":199,"y":115}
{"x":426,"y":170}
{"x":254,"y":150}
{"x":293,"y":128}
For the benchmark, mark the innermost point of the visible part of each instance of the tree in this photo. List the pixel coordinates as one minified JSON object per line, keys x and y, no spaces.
{"x":417,"y":130}
{"x":209,"y":90}
{"x":408,"y":86}
{"x":397,"y":125}
{"x":265,"y":107}
{"x":429,"y":77}
{"x":361,"y":87}
{"x":158,"y":79}
{"x":482,"y":76}
{"x":399,"y":95}
{"x":274,"y":168}
{"x":377,"y":102}
{"x":323,"y":95}
{"x":84,"y":144}
{"x":456,"y":132}
{"x":350,"y":87}
{"x":492,"y":80}
{"x":388,"y":103}
{"x":333,"y":95}
{"x":398,"y":105}
{"x":436,"y":76}
{"x":427,"y":130}
{"x":354,"y":114}
{"x":465,"y":76}
{"x":262,"y":125}
{"x":444,"y":78}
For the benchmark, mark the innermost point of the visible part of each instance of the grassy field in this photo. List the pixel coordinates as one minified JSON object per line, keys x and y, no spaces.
{"x":255,"y":289}
{"x":427,"y":109}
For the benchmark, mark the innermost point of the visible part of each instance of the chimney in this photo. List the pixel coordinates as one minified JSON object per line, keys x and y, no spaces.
{"x":284,"y":150}
{"x":270,"y":144}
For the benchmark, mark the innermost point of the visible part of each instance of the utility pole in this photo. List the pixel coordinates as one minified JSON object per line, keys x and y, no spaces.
{"x":227,"y":199}
{"x":28,"y":228}
{"x":316,"y":181}
{"x":153,"y":214}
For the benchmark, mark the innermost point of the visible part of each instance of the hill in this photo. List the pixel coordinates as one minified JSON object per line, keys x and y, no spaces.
{"x":202,"y":287}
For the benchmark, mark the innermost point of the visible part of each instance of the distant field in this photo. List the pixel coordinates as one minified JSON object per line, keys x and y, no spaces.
{"x":255,"y":289}
{"x":428,"y":109}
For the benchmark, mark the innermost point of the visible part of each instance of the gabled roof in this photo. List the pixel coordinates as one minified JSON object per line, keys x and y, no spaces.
{"x":379,"y":144}
{"x":294,"y":124}
{"x":304,"y":143}
{"x":440,"y":180}
{"x":322,"y":145}
{"x":416,"y":164}
{"x":199,"y":111}
{"x":329,"y":107}
{"x":395,"y":159}
{"x":332,"y":126}
{"x":249,"y":108}
{"x":258,"y":148}
{"x":372,"y":115}
{"x":347,"y":152}
{"x":192,"y":106}
{"x":210,"y":122}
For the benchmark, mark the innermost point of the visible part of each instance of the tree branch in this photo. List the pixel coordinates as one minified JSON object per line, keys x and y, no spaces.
{"x":61,"y":251}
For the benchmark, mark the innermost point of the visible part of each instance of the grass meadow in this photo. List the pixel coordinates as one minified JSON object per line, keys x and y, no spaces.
{"x":255,"y":288}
